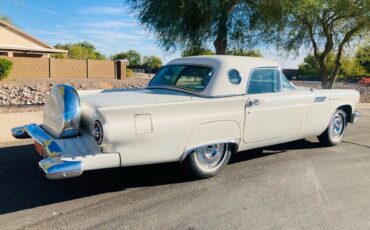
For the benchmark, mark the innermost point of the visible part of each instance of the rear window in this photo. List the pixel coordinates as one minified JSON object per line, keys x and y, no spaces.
{"x":189,"y":77}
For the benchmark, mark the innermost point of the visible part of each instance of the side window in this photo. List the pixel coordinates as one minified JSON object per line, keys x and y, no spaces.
{"x":264,"y":80}
{"x":285,"y":84}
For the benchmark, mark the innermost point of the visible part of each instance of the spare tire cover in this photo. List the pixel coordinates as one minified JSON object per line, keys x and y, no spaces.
{"x":62,"y":112}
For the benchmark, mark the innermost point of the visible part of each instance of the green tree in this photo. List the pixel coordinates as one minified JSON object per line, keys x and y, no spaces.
{"x":180,"y":24}
{"x":5,"y":68}
{"x":363,"y":56}
{"x":310,"y":68}
{"x":325,"y":25}
{"x":80,"y":50}
{"x":152,"y":62}
{"x":243,"y":52}
{"x":351,"y":68}
{"x":133,"y":57}
{"x":196,"y":51}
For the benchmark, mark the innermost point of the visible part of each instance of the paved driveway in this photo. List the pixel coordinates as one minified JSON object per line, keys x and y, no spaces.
{"x":292,"y":186}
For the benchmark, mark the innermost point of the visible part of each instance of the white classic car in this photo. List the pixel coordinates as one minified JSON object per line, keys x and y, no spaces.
{"x":196,"y":110}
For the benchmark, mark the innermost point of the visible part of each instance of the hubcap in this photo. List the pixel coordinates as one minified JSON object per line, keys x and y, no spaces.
{"x":337,"y":127}
{"x":210,"y":156}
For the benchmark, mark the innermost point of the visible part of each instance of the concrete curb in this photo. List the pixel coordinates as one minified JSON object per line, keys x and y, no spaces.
{"x":11,"y":120}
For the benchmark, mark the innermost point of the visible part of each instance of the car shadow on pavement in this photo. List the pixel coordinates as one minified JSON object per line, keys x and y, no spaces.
{"x":273,"y":149}
{"x":23,"y":186}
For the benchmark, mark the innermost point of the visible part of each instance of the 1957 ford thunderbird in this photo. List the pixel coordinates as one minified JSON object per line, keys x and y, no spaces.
{"x":196,"y":110}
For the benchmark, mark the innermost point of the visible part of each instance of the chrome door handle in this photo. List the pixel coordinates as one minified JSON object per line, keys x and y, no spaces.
{"x":254,"y":102}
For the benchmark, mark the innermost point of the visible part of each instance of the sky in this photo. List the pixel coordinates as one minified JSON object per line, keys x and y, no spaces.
{"x":110,"y":25}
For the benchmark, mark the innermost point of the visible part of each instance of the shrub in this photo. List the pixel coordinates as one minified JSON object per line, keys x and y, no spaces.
{"x":129,"y":73}
{"x":365,"y":81}
{"x":5,"y":67}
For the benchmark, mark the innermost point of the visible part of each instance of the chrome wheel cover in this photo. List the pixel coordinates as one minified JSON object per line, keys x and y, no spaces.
{"x":210,"y":156}
{"x":336,"y":128}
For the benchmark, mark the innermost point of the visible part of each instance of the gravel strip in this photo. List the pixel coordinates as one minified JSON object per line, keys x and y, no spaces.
{"x":31,"y":95}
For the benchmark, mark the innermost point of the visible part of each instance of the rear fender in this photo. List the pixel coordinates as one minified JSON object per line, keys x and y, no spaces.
{"x":212,"y":133}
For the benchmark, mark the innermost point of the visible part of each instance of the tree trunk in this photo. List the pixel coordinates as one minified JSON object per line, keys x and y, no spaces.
{"x":334,"y":74}
{"x":324,"y":73}
{"x":220,"y":46}
{"x":220,"y":43}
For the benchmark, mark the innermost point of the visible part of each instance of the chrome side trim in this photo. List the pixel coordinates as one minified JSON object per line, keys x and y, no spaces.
{"x":226,"y":141}
{"x":20,"y":132}
{"x":355,"y":117}
{"x":319,"y":99}
{"x":55,"y":168}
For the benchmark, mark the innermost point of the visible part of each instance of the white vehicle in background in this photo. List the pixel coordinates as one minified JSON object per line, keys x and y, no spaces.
{"x":196,"y":110}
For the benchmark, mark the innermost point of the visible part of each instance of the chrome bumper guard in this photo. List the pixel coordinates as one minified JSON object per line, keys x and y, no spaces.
{"x":20,"y":132}
{"x":52,"y":166}
{"x":355,"y":117}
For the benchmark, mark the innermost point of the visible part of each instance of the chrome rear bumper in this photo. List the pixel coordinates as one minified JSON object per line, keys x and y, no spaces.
{"x":55,"y":168}
{"x":52,"y":166}
{"x":355,"y":117}
{"x":20,"y":132}
{"x":68,"y":157}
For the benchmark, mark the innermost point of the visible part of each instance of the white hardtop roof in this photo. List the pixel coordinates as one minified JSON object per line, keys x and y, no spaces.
{"x":219,"y":84}
{"x":214,"y":60}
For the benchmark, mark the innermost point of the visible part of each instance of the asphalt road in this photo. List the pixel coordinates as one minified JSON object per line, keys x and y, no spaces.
{"x":299,"y":185}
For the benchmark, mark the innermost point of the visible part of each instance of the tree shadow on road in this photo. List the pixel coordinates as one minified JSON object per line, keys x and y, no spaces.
{"x":23,"y":186}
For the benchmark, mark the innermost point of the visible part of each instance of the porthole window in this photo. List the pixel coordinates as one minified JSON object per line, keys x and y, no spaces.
{"x":234,"y":77}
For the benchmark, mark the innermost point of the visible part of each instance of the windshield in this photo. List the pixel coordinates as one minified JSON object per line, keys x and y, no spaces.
{"x":190,"y":77}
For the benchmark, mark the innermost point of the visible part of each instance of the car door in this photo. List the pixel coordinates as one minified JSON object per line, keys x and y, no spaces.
{"x":271,"y":111}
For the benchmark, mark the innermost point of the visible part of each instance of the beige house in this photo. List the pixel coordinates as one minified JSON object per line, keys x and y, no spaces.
{"x":16,"y":43}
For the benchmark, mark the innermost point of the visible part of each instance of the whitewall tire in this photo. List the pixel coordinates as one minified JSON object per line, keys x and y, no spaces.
{"x":334,"y":133}
{"x":208,"y":160}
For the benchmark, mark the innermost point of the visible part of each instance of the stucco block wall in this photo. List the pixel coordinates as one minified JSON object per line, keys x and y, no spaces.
{"x":123,"y":69}
{"x":101,"y":69}
{"x":29,"y":68}
{"x":35,"y":68}
{"x":68,"y":68}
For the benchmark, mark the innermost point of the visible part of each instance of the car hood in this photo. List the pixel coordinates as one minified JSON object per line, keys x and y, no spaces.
{"x":109,"y":98}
